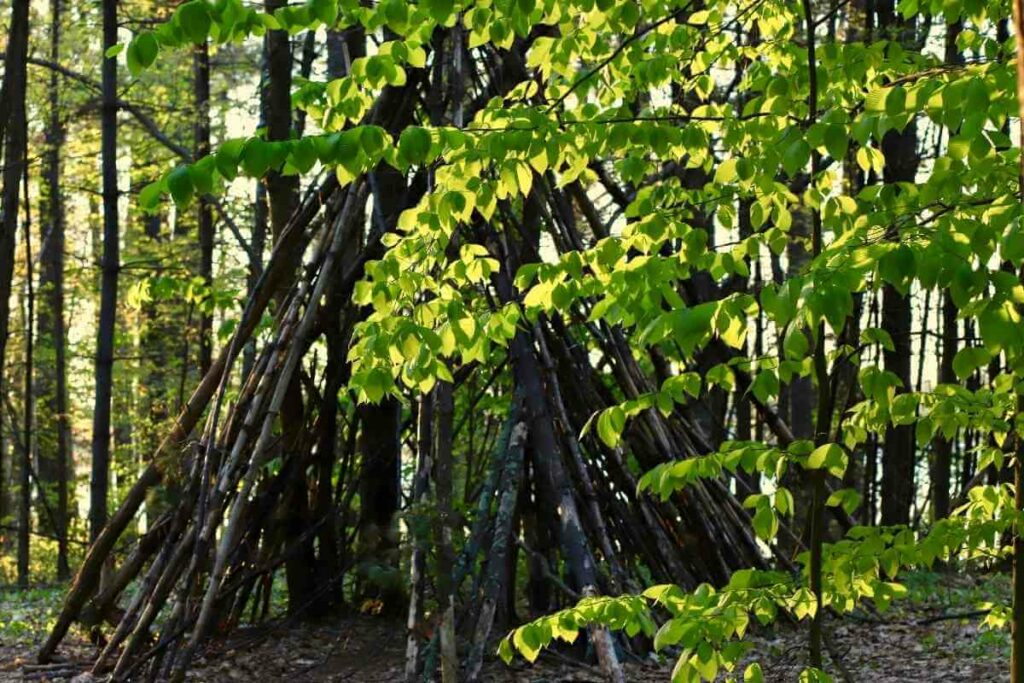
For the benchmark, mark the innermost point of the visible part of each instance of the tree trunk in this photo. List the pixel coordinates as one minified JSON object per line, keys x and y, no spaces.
{"x":25,"y":485}
{"x":1017,"y":623}
{"x":418,"y":560}
{"x":380,"y":455}
{"x":201,"y":77}
{"x":281,"y":189}
{"x":108,"y":288}
{"x":13,"y":141}
{"x":898,"y":452}
{"x":444,"y":409}
{"x":942,"y":458}
{"x":497,"y":566}
{"x":798,"y":398}
{"x":54,"y":446}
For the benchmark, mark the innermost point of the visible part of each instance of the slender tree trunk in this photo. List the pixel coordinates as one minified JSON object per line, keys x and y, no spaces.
{"x":1017,"y":624}
{"x":282,"y":191}
{"x":497,"y":569}
{"x":380,"y":457}
{"x":12,"y":141}
{"x":260,"y":220}
{"x":25,"y":512}
{"x":201,"y":78}
{"x":942,"y":454}
{"x":942,"y":457}
{"x":898,"y":452}
{"x":799,"y":397}
{"x":445,"y":589}
{"x":108,"y":288}
{"x":418,"y":560}
{"x":51,"y":380}
{"x":823,"y":426}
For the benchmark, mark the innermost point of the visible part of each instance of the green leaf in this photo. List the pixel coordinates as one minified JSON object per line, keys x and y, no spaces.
{"x":765,"y":386}
{"x":610,"y":424}
{"x":976,"y":97}
{"x":848,"y":499}
{"x":765,"y":521}
{"x":194,"y":19}
{"x":325,"y":10}
{"x":876,"y":335}
{"x":969,"y":359}
{"x":179,"y":184}
{"x":142,"y":52}
{"x":691,"y":326}
{"x":201,"y":174}
{"x":830,"y":456}
{"x":796,"y":344}
{"x":228,"y":156}
{"x":726,"y":172}
{"x":149,"y":196}
{"x":836,"y":141}
{"x":505,"y":651}
{"x":875,"y":100}
{"x":414,"y":144}
{"x":256,"y":157}
{"x":441,"y":10}
{"x":796,"y":156}
{"x":1011,"y":247}
{"x":896,"y":101}
{"x":897,"y":267}
{"x":373,"y":140}
{"x":669,"y":634}
{"x":526,"y":641}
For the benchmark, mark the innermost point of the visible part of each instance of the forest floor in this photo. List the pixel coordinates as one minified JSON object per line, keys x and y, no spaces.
{"x":933,"y":635}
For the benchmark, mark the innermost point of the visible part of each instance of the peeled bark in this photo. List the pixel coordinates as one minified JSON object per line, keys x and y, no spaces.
{"x":496,"y":569}
{"x":418,"y":560}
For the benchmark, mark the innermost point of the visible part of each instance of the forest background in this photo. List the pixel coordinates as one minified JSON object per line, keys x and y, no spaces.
{"x":657,"y":318}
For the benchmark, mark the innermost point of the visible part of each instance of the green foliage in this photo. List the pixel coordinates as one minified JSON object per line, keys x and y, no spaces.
{"x":585,"y":105}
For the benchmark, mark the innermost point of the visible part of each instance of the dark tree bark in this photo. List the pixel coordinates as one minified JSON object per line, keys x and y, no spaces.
{"x":798,"y":397}
{"x":380,"y":442}
{"x":12,"y":141}
{"x":108,"y":288}
{"x":260,"y":220}
{"x":942,"y":458}
{"x":901,"y":162}
{"x":380,"y":453}
{"x":444,"y":585}
{"x":51,"y":377}
{"x":1017,"y":624}
{"x":25,"y":484}
{"x":898,"y":451}
{"x":282,"y":192}
{"x":201,"y":78}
